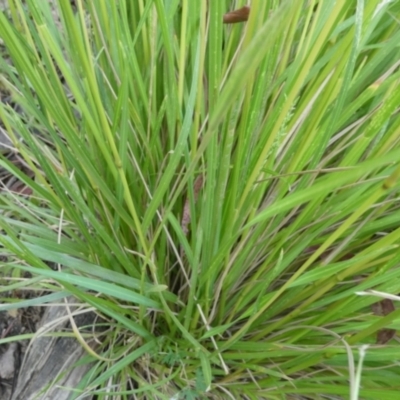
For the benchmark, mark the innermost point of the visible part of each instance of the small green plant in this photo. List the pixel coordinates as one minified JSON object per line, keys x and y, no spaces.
{"x":218,"y":193}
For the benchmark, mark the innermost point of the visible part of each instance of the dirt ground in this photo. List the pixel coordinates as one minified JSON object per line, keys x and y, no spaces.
{"x":13,"y":323}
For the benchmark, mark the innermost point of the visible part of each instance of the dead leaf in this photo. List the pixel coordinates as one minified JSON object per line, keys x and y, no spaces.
{"x":382,"y":308}
{"x":385,"y":335}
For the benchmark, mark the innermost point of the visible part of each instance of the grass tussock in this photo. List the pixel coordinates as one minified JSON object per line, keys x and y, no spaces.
{"x":220,"y":194}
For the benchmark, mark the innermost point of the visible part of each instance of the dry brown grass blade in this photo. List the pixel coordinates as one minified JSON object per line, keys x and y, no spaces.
{"x":186,"y":217}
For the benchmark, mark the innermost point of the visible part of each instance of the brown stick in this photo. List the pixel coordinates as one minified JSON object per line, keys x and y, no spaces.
{"x":239,"y":15}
